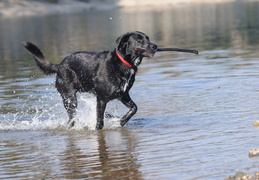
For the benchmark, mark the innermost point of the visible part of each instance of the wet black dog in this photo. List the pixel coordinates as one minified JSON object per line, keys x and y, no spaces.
{"x":109,"y":74}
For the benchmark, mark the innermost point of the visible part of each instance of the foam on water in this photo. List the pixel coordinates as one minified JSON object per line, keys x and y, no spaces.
{"x":86,"y":113}
{"x":50,"y":114}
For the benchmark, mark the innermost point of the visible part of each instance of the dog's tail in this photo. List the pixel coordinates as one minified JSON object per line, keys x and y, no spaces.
{"x":46,"y":66}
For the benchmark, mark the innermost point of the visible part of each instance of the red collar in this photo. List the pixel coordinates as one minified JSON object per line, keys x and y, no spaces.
{"x":123,"y":60}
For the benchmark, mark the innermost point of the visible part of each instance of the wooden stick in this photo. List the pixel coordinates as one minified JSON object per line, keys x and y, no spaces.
{"x":194,"y":51}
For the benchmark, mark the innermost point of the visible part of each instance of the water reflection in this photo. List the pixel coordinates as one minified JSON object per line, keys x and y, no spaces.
{"x":70,"y":155}
{"x":103,"y":154}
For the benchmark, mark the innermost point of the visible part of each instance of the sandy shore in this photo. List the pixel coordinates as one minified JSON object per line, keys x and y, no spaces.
{"x":164,"y":2}
{"x":16,"y":8}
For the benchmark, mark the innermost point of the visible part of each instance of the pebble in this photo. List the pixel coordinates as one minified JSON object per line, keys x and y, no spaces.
{"x":256,"y":123}
{"x":254,"y":152}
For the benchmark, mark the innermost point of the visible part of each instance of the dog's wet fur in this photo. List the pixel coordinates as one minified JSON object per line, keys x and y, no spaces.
{"x":103,"y":74}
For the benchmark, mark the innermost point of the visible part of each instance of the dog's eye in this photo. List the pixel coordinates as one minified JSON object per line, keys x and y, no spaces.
{"x":140,"y":40}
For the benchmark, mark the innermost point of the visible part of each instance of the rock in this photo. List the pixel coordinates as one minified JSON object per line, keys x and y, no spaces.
{"x":239,"y":176}
{"x":256,"y":123}
{"x":254,"y":152}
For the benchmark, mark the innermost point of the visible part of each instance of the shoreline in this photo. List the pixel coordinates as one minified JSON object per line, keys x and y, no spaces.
{"x":35,"y":8}
{"x":18,"y":8}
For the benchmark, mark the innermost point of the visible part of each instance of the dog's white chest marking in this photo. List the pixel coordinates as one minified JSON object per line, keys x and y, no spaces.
{"x":126,"y":85}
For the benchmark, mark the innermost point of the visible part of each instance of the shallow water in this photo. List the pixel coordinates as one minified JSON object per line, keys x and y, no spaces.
{"x":195,"y":112}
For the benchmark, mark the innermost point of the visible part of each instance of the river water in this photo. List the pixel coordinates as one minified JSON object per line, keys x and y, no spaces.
{"x":195,"y":112}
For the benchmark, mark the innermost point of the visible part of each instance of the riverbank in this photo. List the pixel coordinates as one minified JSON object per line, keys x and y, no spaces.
{"x":16,"y":8}
{"x":28,"y":8}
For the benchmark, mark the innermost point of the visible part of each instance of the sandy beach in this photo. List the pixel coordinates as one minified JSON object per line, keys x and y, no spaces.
{"x":13,"y":8}
{"x":16,"y":8}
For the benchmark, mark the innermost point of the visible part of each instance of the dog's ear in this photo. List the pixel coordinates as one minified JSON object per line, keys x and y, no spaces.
{"x":122,"y":43}
{"x":123,"y":38}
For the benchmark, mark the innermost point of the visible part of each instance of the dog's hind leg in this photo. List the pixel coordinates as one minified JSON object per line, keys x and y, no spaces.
{"x":65,"y":84}
{"x":127,"y":101}
{"x":70,"y":103}
{"x":68,"y":95}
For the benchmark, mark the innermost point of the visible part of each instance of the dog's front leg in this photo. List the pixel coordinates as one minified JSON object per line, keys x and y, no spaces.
{"x":101,"y":105}
{"x":127,"y":101}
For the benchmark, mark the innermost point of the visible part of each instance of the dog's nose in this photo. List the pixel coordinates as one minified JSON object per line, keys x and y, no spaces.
{"x":153,"y":46}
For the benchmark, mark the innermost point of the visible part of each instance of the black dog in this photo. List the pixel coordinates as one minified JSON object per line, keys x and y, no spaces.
{"x":109,"y":74}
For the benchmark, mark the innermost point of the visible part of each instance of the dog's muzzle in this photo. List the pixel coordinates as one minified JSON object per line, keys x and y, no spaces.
{"x":147,"y":51}
{"x":150,"y":50}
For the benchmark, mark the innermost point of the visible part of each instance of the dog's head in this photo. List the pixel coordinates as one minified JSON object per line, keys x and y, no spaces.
{"x":136,"y":45}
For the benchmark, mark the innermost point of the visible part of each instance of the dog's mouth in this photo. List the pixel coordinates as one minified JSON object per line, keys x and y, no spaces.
{"x":148,"y":54}
{"x":145,"y":53}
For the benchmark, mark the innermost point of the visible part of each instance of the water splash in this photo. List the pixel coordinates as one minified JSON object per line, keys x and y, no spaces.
{"x":49,"y":113}
{"x":86,"y":113}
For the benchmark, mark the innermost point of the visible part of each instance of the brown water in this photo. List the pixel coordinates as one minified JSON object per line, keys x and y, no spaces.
{"x":195,"y":112}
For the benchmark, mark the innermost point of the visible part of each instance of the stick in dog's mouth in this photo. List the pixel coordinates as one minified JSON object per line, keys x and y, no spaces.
{"x":194,"y":51}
